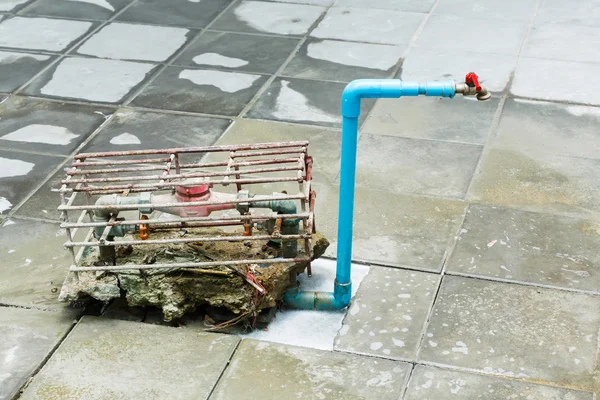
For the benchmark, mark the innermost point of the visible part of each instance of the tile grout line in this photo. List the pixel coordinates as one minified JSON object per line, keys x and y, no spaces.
{"x":222,"y":374}
{"x":413,"y":366}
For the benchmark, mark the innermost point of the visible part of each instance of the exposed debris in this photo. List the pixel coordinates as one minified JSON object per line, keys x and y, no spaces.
{"x":236,"y":289}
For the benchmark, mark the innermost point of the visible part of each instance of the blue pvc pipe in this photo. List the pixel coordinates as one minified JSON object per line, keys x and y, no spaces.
{"x":354,"y":92}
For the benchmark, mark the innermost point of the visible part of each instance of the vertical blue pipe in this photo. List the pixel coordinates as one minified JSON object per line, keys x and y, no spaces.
{"x":354,"y":92}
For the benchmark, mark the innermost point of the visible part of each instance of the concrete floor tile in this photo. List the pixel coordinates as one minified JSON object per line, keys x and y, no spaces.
{"x":542,"y":335}
{"x":563,"y":42}
{"x":249,"y":53}
{"x":495,"y":36}
{"x":275,"y":18}
{"x":34,"y":263}
{"x":415,"y":166}
{"x":157,"y":358}
{"x":343,"y":61}
{"x":20,"y":173}
{"x":423,"y":64}
{"x":392,"y":229}
{"x":84,"y":9}
{"x":455,"y":120}
{"x":388,"y":314}
{"x":41,"y":33}
{"x":92,"y":79}
{"x":303,"y":101}
{"x":482,"y":10}
{"x":364,"y":25}
{"x":17,"y":69}
{"x":279,"y":371}
{"x":311,"y":2}
{"x":12,"y":5}
{"x":528,"y":247}
{"x":201,"y":90}
{"x":557,"y":80}
{"x":537,"y":182}
{"x":122,"y":41}
{"x":28,"y":337}
{"x":45,"y":126}
{"x":430,"y":383}
{"x":398,"y":5}
{"x":193,"y":14}
{"x":562,"y":129}
{"x":324,"y":143}
{"x":584,"y":12}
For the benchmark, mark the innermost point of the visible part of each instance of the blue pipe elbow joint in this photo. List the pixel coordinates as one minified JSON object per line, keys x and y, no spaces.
{"x":354,"y":92}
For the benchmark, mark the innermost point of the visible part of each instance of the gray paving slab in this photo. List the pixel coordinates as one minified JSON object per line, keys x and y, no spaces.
{"x":138,"y":42}
{"x":91,"y":79}
{"x":388,"y":314}
{"x":201,"y":90}
{"x":585,"y":12}
{"x":557,"y":80}
{"x":528,"y":247}
{"x":240,"y":52}
{"x":563,"y":42}
{"x":16,"y":69}
{"x":537,"y":126}
{"x":423,"y":64}
{"x":278,"y":371}
{"x":494,"y":35}
{"x":324,"y":144}
{"x":430,"y":383}
{"x":393,"y":229}
{"x":274,"y":18}
{"x":45,"y":126}
{"x":158,"y":359}
{"x":28,"y":337}
{"x":455,"y":120}
{"x":34,"y":263}
{"x":415,"y":166}
{"x":364,"y":25}
{"x":343,"y":61}
{"x":303,"y":101}
{"x":481,"y":10}
{"x":193,"y":14}
{"x":537,"y":182}
{"x":47,"y":34}
{"x":312,"y":2}
{"x":398,"y":5}
{"x":80,"y":9}
{"x":12,"y":5}
{"x":540,"y":335}
{"x":19,"y":175}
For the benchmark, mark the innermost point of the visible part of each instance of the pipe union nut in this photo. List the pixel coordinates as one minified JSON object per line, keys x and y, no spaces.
{"x":146,"y":198}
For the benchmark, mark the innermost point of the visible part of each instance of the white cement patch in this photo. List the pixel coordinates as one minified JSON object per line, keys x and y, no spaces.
{"x":125,"y":138}
{"x":40,"y":33}
{"x":229,"y":82}
{"x":4,"y":205}
{"x":122,"y":41}
{"x":95,"y":79}
{"x":283,"y":19}
{"x":8,"y":57}
{"x":363,"y":55}
{"x":10,"y":168}
{"x":99,"y":3}
{"x":36,"y":133}
{"x":293,"y":105}
{"x":311,"y":328}
{"x":219,"y":60}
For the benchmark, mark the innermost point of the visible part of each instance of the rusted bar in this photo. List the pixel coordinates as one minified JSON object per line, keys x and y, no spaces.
{"x":190,"y":265}
{"x":122,"y":162}
{"x":178,"y":176}
{"x":184,"y":220}
{"x":269,"y":153}
{"x":187,"y":240}
{"x":199,"y":149}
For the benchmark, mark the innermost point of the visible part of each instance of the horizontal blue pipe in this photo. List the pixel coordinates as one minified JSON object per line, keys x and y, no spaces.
{"x":354,"y":92}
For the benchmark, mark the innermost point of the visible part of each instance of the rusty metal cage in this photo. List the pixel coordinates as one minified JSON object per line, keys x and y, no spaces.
{"x":260,"y":167}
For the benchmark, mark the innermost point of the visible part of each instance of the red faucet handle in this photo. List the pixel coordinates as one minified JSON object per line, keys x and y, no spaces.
{"x":472,"y":80}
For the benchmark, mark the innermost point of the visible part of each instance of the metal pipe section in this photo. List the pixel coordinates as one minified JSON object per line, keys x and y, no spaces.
{"x":354,"y":92}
